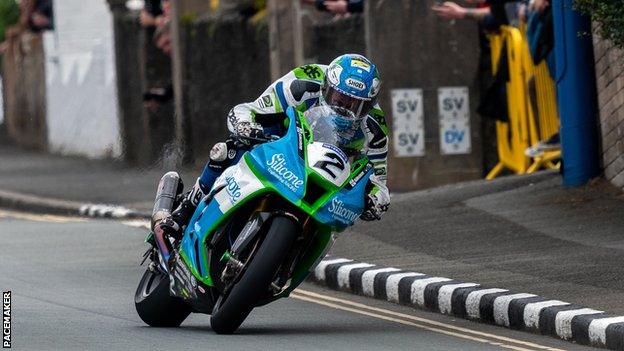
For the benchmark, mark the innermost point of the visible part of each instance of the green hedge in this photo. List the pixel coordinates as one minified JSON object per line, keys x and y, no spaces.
{"x":9,"y":14}
{"x":609,"y":14}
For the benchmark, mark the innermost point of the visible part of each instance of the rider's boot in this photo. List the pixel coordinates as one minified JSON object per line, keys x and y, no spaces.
{"x":222,"y":156}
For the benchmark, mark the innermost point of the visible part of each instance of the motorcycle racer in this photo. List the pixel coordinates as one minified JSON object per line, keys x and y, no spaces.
{"x":349,"y":85}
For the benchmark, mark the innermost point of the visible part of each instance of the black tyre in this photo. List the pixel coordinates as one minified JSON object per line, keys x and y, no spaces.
{"x":154,"y":304}
{"x":229,"y":313}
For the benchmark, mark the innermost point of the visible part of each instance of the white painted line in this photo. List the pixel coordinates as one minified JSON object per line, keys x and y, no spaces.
{"x":392,"y":284}
{"x":298,"y":293}
{"x":563,"y":321}
{"x":473,"y":301}
{"x":532,"y":311}
{"x":368,"y":279}
{"x":501,"y":307}
{"x":418,"y":289}
{"x":598,"y":328}
{"x":445,"y":295}
{"x":319,"y":271}
{"x":343,"y":273}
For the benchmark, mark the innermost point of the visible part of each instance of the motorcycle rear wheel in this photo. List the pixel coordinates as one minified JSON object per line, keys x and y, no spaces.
{"x":230,"y":312}
{"x":154,"y":304}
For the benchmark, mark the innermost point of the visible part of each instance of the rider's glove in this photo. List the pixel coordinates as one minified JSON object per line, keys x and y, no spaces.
{"x":249,"y":130}
{"x":377,"y":201}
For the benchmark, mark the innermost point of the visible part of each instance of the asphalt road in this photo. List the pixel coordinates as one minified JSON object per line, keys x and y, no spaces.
{"x":73,"y":282}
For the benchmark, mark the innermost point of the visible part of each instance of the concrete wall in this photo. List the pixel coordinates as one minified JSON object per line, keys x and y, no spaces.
{"x":23,"y":76}
{"x":82,"y":113}
{"x":610,"y":85}
{"x":334,"y":38}
{"x":415,"y":49}
{"x":146,"y":133}
{"x":227,"y":62}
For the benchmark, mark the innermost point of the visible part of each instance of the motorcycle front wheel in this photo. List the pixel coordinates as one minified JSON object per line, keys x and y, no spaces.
{"x":230,"y":311}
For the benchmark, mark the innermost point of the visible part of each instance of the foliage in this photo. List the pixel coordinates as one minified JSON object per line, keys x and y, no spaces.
{"x":9,"y":15}
{"x":609,"y":14}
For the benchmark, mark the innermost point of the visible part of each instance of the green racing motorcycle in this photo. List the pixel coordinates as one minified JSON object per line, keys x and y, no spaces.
{"x":266,"y":223}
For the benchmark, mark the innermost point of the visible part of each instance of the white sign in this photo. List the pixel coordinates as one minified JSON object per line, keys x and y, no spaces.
{"x":408,"y":125}
{"x":454,"y":110}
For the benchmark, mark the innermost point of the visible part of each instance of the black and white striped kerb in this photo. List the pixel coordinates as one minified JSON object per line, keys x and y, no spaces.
{"x":106,"y":211}
{"x":472,"y":301}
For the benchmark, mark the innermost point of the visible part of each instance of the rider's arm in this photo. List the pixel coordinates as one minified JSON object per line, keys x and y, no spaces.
{"x":299,"y":88}
{"x":377,"y":140}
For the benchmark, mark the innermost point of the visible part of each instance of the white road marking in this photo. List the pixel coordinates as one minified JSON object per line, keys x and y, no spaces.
{"x":418,"y":289}
{"x":423,"y":323}
{"x":563,"y":321}
{"x":598,"y":328}
{"x":319,"y":271}
{"x":532,"y":311}
{"x":368,"y":279}
{"x":40,"y":217}
{"x":501,"y":307}
{"x":445,"y":295}
{"x":343,"y":273}
{"x":392,"y":284}
{"x":473,"y":301}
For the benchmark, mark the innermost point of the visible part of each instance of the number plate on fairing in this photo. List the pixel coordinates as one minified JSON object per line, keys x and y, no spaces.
{"x":330,"y":162}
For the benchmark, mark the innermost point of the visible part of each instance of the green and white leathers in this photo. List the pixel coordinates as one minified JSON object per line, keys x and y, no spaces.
{"x":301,"y":89}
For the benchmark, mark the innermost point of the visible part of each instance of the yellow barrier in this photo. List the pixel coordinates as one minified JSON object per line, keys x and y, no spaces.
{"x":532,"y":107}
{"x":543,"y":112}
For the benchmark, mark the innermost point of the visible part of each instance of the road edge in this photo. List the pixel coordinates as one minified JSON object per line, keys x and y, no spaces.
{"x":472,"y":301}
{"x":37,"y":204}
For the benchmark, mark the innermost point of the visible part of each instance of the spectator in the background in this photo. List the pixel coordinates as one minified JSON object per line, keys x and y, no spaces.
{"x":491,"y":14}
{"x":338,"y":7}
{"x":153,"y":14}
{"x":157,"y":96}
{"x":162,"y":38}
{"x":41,"y":16}
{"x":451,"y":11}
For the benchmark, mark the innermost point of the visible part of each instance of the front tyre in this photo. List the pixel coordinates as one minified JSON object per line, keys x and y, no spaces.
{"x":229,"y":313}
{"x":154,"y":304}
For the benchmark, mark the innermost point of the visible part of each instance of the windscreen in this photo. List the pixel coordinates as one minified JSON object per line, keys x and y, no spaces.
{"x":331,"y":127}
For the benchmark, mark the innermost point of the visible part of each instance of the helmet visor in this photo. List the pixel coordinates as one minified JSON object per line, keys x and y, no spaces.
{"x":335,"y":98}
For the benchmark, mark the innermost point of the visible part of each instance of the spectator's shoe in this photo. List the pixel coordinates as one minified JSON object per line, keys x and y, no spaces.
{"x":538,"y":149}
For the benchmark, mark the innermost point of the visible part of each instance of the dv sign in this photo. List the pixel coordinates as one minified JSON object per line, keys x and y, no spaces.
{"x":454,"y":110}
{"x":408,"y":128}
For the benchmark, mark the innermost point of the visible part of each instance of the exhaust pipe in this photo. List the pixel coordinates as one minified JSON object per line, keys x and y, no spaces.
{"x":169,"y":187}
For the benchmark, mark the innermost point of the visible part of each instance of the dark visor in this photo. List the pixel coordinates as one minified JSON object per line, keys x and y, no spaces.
{"x":335,"y":98}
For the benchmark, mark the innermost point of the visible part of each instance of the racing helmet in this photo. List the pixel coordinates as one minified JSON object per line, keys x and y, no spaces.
{"x":351,"y":87}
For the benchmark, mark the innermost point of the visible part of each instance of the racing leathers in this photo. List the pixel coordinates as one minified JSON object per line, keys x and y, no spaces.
{"x":301,"y":89}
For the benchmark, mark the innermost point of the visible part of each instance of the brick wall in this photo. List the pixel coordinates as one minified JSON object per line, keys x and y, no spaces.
{"x":610,"y":84}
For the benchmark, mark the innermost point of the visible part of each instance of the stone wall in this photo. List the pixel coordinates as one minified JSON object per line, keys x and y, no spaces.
{"x":227,"y":62}
{"x":146,"y":132}
{"x":415,"y":49}
{"x":334,"y":38}
{"x":610,"y":85}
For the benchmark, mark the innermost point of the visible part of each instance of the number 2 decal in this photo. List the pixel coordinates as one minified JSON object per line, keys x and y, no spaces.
{"x":332,"y":160}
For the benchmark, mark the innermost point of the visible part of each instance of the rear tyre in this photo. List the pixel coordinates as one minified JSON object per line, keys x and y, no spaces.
{"x":154,"y":304}
{"x":229,"y":313}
